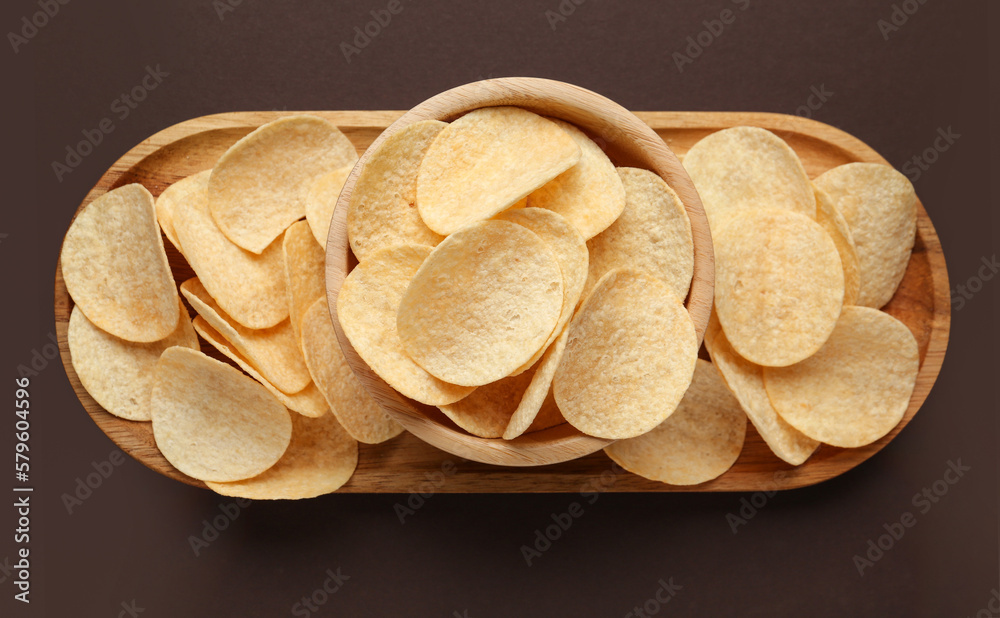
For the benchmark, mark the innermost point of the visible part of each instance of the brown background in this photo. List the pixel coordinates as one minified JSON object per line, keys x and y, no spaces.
{"x":461,"y":553}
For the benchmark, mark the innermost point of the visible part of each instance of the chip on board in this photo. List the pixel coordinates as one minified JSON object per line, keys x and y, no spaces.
{"x":274,"y":352}
{"x":118,"y":374}
{"x":367,"y":306}
{"x":880,"y":207}
{"x":259,"y":186}
{"x":165,"y":204}
{"x":212,"y":422}
{"x":349,"y":401}
{"x":305,"y":272}
{"x":320,"y":458}
{"x":589,"y":194}
{"x":836,"y":226}
{"x":653,"y":234}
{"x":248,"y":287}
{"x":485,"y":162}
{"x":746,"y":168}
{"x":485,"y":300}
{"x":629,"y":358}
{"x":779,"y":285}
{"x":115,"y":267}
{"x":857,"y":387}
{"x":321,"y":201}
{"x":383,"y":206}
{"x":697,"y":443}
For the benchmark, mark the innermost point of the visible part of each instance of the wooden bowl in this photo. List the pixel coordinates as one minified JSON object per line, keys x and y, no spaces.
{"x":628,"y":142}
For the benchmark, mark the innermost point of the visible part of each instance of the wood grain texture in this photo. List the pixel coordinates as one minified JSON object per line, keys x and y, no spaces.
{"x":404,"y":464}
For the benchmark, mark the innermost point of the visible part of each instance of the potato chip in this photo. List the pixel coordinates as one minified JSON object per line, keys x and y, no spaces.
{"x":487,"y":411}
{"x":366,"y":308}
{"x":212,"y":422}
{"x":744,"y":168}
{"x":383,"y":207}
{"x":274,"y":352}
{"x":322,"y":200}
{"x":570,"y":250}
{"x":629,"y":358}
{"x":857,"y":387}
{"x":833,"y":222}
{"x":249,"y":287}
{"x":353,"y":406}
{"x":115,"y":267}
{"x":697,"y":443}
{"x":653,"y":234}
{"x":165,"y":212}
{"x":319,"y":460}
{"x":589,"y":194}
{"x":485,"y":300}
{"x":537,"y":391}
{"x":259,"y":186}
{"x":485,"y":162}
{"x":548,"y":416}
{"x":118,"y":374}
{"x":880,"y":208}
{"x":305,"y":273}
{"x":779,"y":285}
{"x":746,"y":381}
{"x":307,"y":402}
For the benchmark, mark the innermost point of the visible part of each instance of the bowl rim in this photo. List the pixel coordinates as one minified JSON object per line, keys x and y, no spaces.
{"x":634,"y":142}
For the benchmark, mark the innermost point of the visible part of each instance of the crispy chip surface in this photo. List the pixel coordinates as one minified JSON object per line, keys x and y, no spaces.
{"x":320,"y":458}
{"x":165,"y":212}
{"x":485,"y":300}
{"x":589,"y":194}
{"x":353,"y":406}
{"x":857,"y":387}
{"x":249,"y":287}
{"x":259,"y":186}
{"x":322,"y":200}
{"x":697,"y":443}
{"x":383,"y":207}
{"x":487,"y":411}
{"x":212,"y":422}
{"x":367,"y":307}
{"x":115,"y":267}
{"x":532,"y":403}
{"x":746,"y":381}
{"x":629,"y":358}
{"x":745,"y":168}
{"x":779,"y":285}
{"x":836,"y":226}
{"x":274,"y":352}
{"x":880,"y":207}
{"x":653,"y":234}
{"x":305,"y":272}
{"x":117,"y":373}
{"x":485,"y":162}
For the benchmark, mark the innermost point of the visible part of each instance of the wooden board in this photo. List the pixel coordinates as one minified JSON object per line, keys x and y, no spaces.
{"x":406,"y":464}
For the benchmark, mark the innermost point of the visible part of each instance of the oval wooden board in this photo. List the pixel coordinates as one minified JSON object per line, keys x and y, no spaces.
{"x":404,"y":464}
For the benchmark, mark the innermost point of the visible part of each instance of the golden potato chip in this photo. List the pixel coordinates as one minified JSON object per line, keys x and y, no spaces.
{"x":383,"y":207}
{"x":485,"y":300}
{"x":307,"y":402}
{"x":548,"y":416}
{"x":653,"y":234}
{"x":212,"y":422}
{"x":366,"y":308}
{"x":259,"y":186}
{"x":485,"y":162}
{"x":779,"y":285}
{"x":249,"y":287}
{"x":165,"y":212}
{"x":589,"y":194}
{"x":880,"y":208}
{"x":353,"y":406}
{"x":118,"y":374}
{"x":833,"y":222}
{"x":322,"y":200}
{"x":115,"y":267}
{"x":746,"y":381}
{"x":629,"y":358}
{"x":305,"y":272}
{"x":320,"y":458}
{"x":697,"y":443}
{"x":274,"y":352}
{"x":487,"y":411}
{"x":570,"y":250}
{"x":857,"y":387}
{"x":745,"y":168}
{"x":537,"y":391}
